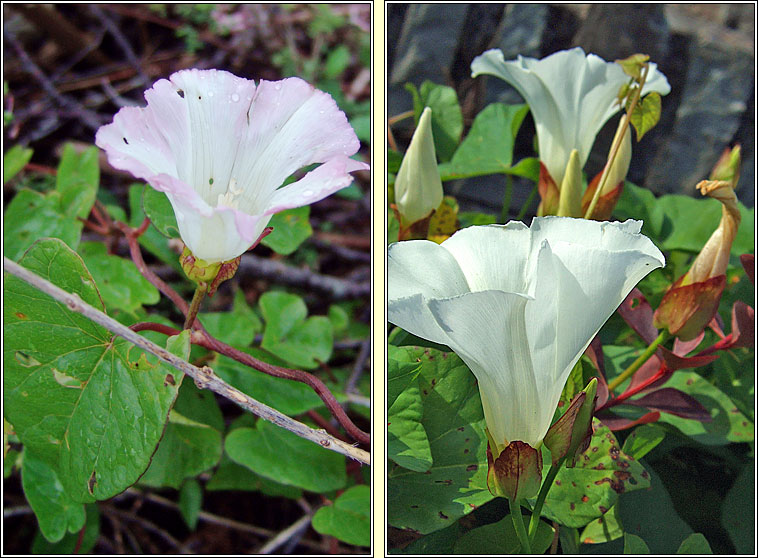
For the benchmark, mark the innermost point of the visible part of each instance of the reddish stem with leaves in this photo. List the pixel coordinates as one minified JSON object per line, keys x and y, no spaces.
{"x":200,"y":336}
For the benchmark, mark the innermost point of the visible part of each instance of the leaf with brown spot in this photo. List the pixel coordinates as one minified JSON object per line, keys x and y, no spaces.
{"x":566,"y":501}
{"x":453,"y":421}
{"x":96,"y":419}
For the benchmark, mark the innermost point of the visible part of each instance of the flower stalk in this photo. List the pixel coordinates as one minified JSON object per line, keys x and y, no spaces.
{"x":518,"y":524}
{"x":197,"y":300}
{"x":544,"y":489}
{"x":646,"y":354}
{"x":617,"y":146}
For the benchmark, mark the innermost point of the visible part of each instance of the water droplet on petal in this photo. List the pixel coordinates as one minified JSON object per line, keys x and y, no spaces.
{"x":278,"y":86}
{"x":235,"y":97}
{"x":321,"y":112}
{"x":307,"y":193}
{"x":210,"y":93}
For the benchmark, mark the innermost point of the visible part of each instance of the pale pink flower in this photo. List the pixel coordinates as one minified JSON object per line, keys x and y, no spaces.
{"x":220,"y":147}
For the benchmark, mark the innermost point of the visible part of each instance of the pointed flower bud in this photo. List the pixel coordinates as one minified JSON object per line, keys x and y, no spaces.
{"x":693,"y":300}
{"x":728,"y":166}
{"x":570,"y":200}
{"x":418,"y":188}
{"x":613,"y":183}
{"x":620,"y":166}
{"x":714,"y":256}
{"x":570,"y":435}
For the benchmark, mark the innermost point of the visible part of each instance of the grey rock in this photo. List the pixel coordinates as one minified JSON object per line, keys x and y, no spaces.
{"x":615,"y":31}
{"x":717,"y":89}
{"x":745,"y":137}
{"x":425,"y":49}
{"x":520,"y":32}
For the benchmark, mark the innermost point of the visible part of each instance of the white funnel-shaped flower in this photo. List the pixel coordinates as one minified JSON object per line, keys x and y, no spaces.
{"x":570,"y":94}
{"x":519,"y":305}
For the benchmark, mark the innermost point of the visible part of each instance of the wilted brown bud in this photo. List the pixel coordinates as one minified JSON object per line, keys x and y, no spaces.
{"x":516,"y":472}
{"x":690,"y":304}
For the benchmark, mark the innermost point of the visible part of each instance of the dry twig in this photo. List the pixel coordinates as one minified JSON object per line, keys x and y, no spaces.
{"x":283,"y":537}
{"x":338,"y":289}
{"x":204,"y":377}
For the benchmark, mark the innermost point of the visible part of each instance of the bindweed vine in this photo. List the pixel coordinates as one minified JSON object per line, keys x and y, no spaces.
{"x":201,"y":337}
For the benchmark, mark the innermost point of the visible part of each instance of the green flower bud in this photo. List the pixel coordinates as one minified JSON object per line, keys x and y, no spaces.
{"x":515,"y":471}
{"x":617,"y":171}
{"x":418,"y":188}
{"x":570,"y":434}
{"x":728,"y":166}
{"x":570,"y":200}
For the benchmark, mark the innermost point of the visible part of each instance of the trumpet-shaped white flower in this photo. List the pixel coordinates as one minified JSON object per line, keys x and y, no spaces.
{"x":519,"y":305}
{"x":570,"y":94}
{"x":220,"y":147}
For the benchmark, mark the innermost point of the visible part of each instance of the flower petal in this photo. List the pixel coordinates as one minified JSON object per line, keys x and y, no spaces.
{"x":608,"y":235}
{"x":219,"y":148}
{"x":133,"y":141}
{"x":315,"y":185}
{"x":221,"y":235}
{"x":215,"y":105}
{"x":571,"y":96}
{"x":492,"y":257}
{"x":291,"y":125}
{"x":580,"y":286}
{"x":487,"y":330}
{"x":420,"y":270}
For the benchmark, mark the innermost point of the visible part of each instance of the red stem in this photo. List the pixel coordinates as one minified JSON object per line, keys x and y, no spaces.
{"x":723,"y":344}
{"x":101,"y":216}
{"x":635,"y":390}
{"x":80,"y":538}
{"x":132,"y":236}
{"x":201,"y":337}
{"x":204,"y":339}
{"x":99,"y":229}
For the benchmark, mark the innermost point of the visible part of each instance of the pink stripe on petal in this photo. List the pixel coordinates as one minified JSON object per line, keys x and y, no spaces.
{"x":134,"y":146}
{"x":176,"y":190}
{"x":208,"y":137}
{"x":249,"y":227}
{"x":292,"y":125}
{"x":315,"y":185}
